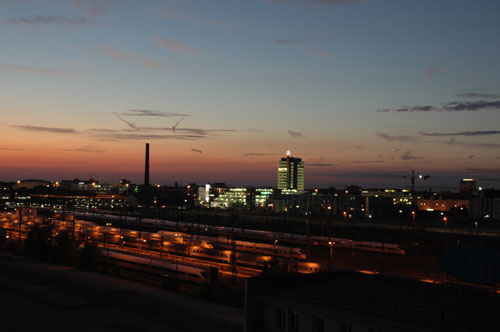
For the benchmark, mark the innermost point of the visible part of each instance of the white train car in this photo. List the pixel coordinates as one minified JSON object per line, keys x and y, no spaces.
{"x":170,"y":270}
{"x":267,"y":236}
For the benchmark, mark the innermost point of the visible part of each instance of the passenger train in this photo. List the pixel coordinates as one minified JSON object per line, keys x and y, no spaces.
{"x":161,"y":268}
{"x":266,"y":235}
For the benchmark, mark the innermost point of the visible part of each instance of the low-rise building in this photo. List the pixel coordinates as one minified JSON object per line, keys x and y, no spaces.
{"x":346,"y":301}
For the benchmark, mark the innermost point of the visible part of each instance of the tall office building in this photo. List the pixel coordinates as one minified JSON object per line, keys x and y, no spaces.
{"x":291,"y":173}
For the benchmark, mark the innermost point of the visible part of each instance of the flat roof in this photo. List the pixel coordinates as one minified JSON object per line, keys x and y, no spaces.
{"x":460,"y":308}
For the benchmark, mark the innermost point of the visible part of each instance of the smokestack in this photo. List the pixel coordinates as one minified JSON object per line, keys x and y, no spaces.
{"x":146,"y":171}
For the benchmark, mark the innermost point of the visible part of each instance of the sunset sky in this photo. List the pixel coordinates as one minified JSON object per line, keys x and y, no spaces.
{"x":362,"y":91}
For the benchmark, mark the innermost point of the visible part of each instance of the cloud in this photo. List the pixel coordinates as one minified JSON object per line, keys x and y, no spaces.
{"x":48,"y":19}
{"x":197,"y":131}
{"x":129,"y":57}
{"x":432,"y":71}
{"x":192,"y":19}
{"x":320,"y":165}
{"x":334,"y":2}
{"x":87,"y":148}
{"x":426,"y":108}
{"x":47,"y":129}
{"x":472,"y":94}
{"x":126,"y":136}
{"x":153,"y":113}
{"x":197,"y":151}
{"x":10,"y":149}
{"x":319,"y":2}
{"x":456,"y":106}
{"x":289,"y":42}
{"x":468,"y":145}
{"x":483,"y":169}
{"x":316,"y":51}
{"x":260,"y":154}
{"x":130,"y":124}
{"x":367,"y":162}
{"x":295,"y":134}
{"x":176,"y":124}
{"x":464,"y":133}
{"x":101,"y":130}
{"x":13,"y":68}
{"x":254,"y":130}
{"x":94,"y":8}
{"x":408,"y":155}
{"x":401,"y":138}
{"x":176,"y":46}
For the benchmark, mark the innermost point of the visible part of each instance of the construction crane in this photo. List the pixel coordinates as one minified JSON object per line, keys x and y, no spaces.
{"x":420,"y":176}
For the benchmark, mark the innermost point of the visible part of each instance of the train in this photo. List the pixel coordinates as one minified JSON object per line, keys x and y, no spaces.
{"x":164,"y":269}
{"x":264,"y":235}
{"x":107,"y":233}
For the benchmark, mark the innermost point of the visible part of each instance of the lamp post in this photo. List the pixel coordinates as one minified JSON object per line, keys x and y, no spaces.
{"x":330,"y":243}
{"x":413,"y":214}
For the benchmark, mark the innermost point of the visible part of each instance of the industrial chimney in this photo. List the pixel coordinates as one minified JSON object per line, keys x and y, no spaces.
{"x":146,"y":171}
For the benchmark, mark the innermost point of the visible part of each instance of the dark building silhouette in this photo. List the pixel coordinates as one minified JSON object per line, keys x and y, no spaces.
{"x":146,"y":170}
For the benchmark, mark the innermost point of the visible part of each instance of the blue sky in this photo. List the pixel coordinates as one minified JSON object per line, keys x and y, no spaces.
{"x":368,"y":87}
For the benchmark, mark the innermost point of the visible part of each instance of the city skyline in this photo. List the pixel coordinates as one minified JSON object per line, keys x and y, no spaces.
{"x":362,"y":91}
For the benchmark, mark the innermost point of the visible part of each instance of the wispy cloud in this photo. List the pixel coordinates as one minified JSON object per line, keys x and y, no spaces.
{"x":197,"y":151}
{"x":290,"y":42}
{"x":176,"y":46}
{"x":320,"y":165}
{"x":318,"y":2}
{"x":94,"y":8}
{"x":192,"y":19}
{"x":128,"y":123}
{"x":153,"y":113}
{"x":432,"y":71}
{"x":47,"y":129}
{"x":128,"y":57}
{"x":127,"y":136}
{"x":464,"y":133}
{"x":454,"y":106}
{"x":255,"y":130}
{"x":87,"y":148}
{"x":196,"y":131}
{"x":474,"y":94}
{"x":467,"y":144}
{"x":400,"y":138}
{"x":48,"y":19}
{"x":10,"y":149}
{"x":408,"y":155}
{"x":318,"y":52}
{"x":260,"y":154}
{"x":483,"y":169}
{"x":14,"y":68}
{"x":295,"y":134}
{"x":334,"y":2}
{"x":426,"y":108}
{"x":367,"y":162}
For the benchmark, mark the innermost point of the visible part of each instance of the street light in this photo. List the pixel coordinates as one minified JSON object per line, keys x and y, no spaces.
{"x":330,"y":243}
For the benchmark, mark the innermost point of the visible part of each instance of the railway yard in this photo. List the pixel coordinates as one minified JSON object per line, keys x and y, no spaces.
{"x":196,"y":254}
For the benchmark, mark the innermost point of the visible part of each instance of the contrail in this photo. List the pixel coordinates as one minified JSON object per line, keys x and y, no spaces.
{"x":130,"y":124}
{"x":176,"y":124}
